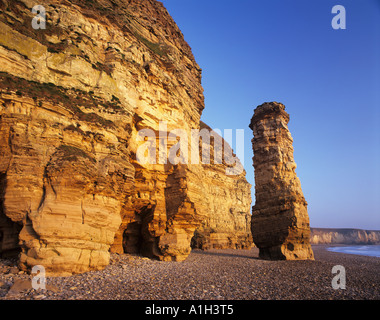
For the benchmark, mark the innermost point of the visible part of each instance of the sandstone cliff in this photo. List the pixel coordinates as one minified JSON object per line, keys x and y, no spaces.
{"x":344,"y":236}
{"x":280,"y":222}
{"x":227,"y":217}
{"x":73,"y":99}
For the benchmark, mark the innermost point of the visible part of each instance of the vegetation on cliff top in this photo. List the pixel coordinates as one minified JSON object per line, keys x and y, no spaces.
{"x":69,"y":98}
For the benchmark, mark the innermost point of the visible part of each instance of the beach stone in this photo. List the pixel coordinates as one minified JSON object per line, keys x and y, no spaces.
{"x":280,"y":222}
{"x":19,"y":286}
{"x":14,"y":270}
{"x":4,"y":269}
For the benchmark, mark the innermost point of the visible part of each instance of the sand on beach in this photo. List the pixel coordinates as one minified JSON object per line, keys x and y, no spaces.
{"x":208,"y":275}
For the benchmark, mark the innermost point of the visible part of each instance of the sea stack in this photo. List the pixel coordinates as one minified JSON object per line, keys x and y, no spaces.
{"x":280,"y":222}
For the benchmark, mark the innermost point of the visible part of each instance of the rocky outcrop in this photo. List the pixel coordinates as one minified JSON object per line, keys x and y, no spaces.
{"x":344,"y":236}
{"x":226,"y":221}
{"x":74,"y":98}
{"x":280,"y":222}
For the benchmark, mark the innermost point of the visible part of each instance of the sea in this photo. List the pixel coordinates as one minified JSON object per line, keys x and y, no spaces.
{"x":370,"y":251}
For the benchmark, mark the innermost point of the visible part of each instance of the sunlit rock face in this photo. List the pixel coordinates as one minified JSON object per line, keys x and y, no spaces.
{"x":73,"y":99}
{"x":344,"y":236}
{"x":280,"y":222}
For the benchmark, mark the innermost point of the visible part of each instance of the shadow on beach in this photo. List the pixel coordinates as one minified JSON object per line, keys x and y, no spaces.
{"x":222,"y":253}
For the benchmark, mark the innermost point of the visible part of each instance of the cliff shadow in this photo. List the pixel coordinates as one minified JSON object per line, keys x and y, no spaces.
{"x":137,"y":238}
{"x":9,"y":230}
{"x":221,"y":253}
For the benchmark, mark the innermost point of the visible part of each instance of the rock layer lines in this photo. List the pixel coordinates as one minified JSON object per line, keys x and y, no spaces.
{"x":73,"y":98}
{"x":280,"y":222}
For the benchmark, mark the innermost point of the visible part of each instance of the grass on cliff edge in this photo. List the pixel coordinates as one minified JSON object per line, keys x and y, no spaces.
{"x":69,"y":98}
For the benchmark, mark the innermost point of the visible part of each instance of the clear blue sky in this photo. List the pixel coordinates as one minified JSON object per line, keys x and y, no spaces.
{"x":329,"y":80}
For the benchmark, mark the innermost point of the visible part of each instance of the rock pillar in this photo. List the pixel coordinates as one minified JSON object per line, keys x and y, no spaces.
{"x":280,"y":222}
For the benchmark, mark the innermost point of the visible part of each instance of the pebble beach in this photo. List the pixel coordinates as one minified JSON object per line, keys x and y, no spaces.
{"x":205,"y":275}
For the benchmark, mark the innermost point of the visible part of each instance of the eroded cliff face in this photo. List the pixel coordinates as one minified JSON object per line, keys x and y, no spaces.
{"x":280,"y":222}
{"x":73,"y":99}
{"x":227,"y":221}
{"x":344,"y":236}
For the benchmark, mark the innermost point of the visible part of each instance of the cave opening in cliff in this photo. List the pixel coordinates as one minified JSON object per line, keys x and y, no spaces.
{"x":198,"y":241}
{"x":9,"y":230}
{"x":132,"y":238}
{"x":137,"y":238}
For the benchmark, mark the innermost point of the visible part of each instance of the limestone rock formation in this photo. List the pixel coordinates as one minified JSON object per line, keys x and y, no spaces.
{"x":344,"y":236}
{"x":73,"y":99}
{"x":280,"y":222}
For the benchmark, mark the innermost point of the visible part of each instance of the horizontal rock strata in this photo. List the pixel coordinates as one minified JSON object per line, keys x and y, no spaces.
{"x":280,"y":223}
{"x":73,"y":99}
{"x":226,"y":208}
{"x":344,"y":236}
